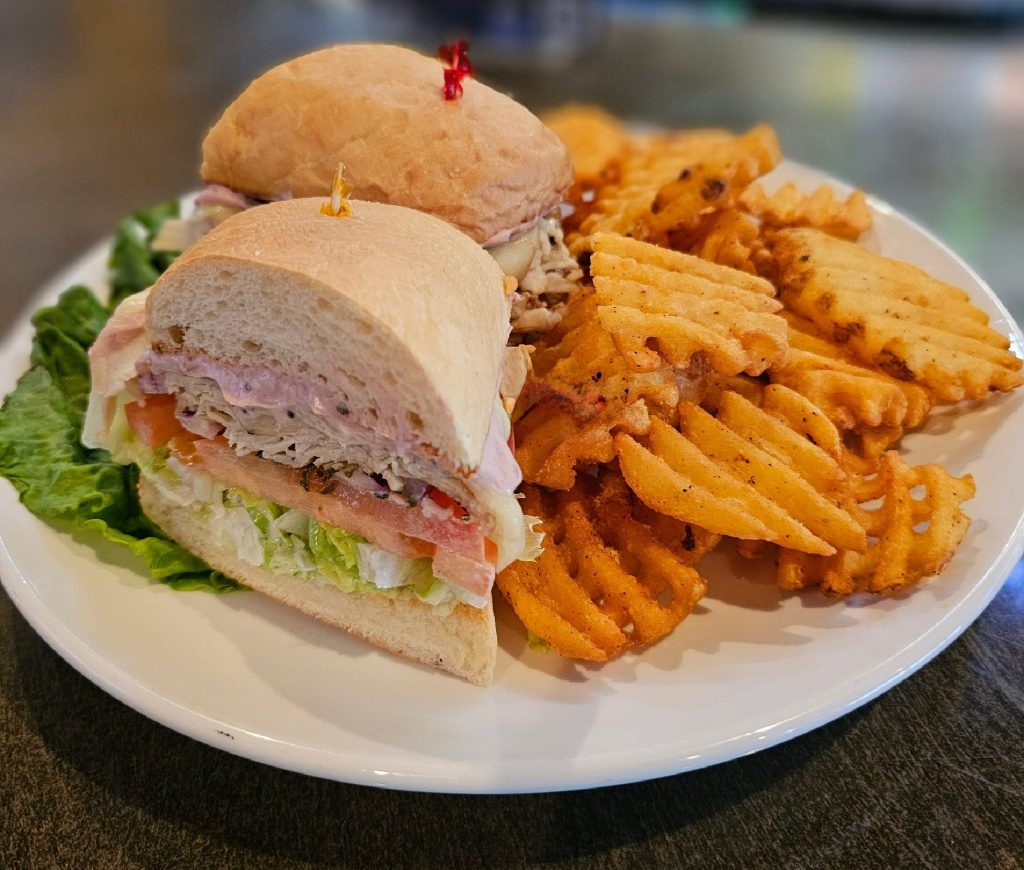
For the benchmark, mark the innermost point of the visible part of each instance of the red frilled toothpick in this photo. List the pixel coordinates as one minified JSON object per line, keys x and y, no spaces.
{"x":455,"y":57}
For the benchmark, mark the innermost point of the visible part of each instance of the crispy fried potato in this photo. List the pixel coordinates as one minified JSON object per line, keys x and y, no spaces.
{"x":677,"y":183}
{"x":851,"y":394}
{"x":683,"y":306}
{"x":677,"y":338}
{"x":788,"y":207}
{"x":540,"y":591}
{"x":620,"y":516}
{"x":865,"y":272}
{"x":703,"y":493}
{"x":752,"y":481}
{"x":732,"y":239}
{"x":894,"y":317}
{"x":581,"y":366}
{"x":709,"y":185}
{"x":803,"y":417}
{"x":701,"y":405}
{"x":551,"y":442}
{"x":593,"y":594}
{"x":622,"y":257}
{"x":718,"y":385}
{"x":592,"y":136}
{"x":820,"y":470}
{"x":804,"y":516}
{"x":901,"y":552}
{"x":863,"y":449}
{"x":632,"y":179}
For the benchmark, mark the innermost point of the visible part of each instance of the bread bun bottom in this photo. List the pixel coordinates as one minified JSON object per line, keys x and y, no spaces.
{"x":462,"y":642}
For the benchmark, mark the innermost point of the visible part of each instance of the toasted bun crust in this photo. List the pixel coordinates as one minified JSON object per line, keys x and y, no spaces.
{"x":483,"y":162}
{"x":462,"y":642}
{"x":401,"y":314}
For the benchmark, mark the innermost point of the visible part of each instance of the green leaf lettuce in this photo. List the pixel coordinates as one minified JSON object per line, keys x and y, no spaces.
{"x":57,"y":478}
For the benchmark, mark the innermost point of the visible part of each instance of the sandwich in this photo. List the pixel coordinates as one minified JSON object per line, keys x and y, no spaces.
{"x":312,"y":403}
{"x":481,"y":162}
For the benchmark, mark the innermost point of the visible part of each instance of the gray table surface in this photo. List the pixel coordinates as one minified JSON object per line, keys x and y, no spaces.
{"x":104,"y":105}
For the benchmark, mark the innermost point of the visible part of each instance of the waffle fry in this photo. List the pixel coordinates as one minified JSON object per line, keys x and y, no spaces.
{"x":551,"y":442}
{"x":704,"y":493}
{"x":894,"y":317}
{"x":774,"y":464}
{"x":592,"y":137}
{"x":685,"y":306}
{"x":717,"y":385}
{"x":672,"y":183}
{"x":709,"y":185}
{"x":635,"y":177}
{"x":621,"y":257}
{"x":605,"y":582}
{"x":901,"y":552}
{"x":743,"y":474}
{"x":852,"y":395}
{"x":788,"y":207}
{"x":580,"y":366}
{"x":803,"y":417}
{"x":732,"y":239}
{"x":776,"y":435}
{"x":700,"y":405}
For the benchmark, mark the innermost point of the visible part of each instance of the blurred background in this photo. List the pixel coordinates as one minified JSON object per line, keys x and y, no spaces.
{"x":105,"y":102}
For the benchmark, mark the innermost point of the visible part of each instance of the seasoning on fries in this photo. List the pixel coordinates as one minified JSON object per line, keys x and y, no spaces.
{"x":894,"y":316}
{"x":740,"y":368}
{"x":605,"y":582}
{"x":822,"y":209}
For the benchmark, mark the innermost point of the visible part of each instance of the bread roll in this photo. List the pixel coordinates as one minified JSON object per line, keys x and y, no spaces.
{"x":401,"y":316}
{"x":483,"y":162}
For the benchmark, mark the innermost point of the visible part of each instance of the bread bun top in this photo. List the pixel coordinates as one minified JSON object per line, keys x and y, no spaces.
{"x":482,"y":162}
{"x":394,"y":315}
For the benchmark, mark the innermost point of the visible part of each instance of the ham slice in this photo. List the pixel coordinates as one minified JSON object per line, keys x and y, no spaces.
{"x":112,"y":358}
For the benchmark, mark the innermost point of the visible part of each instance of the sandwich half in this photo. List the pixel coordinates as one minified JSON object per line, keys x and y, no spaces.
{"x":312,"y":402}
{"x":483,"y":162}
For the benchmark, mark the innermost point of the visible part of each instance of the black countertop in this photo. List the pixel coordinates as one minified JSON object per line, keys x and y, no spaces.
{"x":104,"y":108}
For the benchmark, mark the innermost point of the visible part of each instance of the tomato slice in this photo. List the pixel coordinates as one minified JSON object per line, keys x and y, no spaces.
{"x":462,"y":555}
{"x":446,"y":502}
{"x":155,"y":422}
{"x":185,"y":447}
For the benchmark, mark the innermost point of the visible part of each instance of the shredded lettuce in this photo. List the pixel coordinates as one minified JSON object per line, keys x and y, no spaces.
{"x":335,"y":551}
{"x":267,"y":535}
{"x":57,"y":478}
{"x":536,"y":642}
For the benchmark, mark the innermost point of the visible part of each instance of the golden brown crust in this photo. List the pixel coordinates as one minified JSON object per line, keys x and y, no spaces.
{"x":483,"y":162}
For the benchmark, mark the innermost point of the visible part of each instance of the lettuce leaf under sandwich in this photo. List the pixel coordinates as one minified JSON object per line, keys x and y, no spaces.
{"x":41,"y":453}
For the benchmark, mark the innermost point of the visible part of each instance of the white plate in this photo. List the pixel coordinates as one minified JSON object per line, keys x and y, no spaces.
{"x":753,"y":667}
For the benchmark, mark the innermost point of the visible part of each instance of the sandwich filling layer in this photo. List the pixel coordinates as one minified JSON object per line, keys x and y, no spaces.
{"x":206,"y":475}
{"x":547,"y":273}
{"x":283,"y":540}
{"x":287,"y":445}
{"x":297,"y":421}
